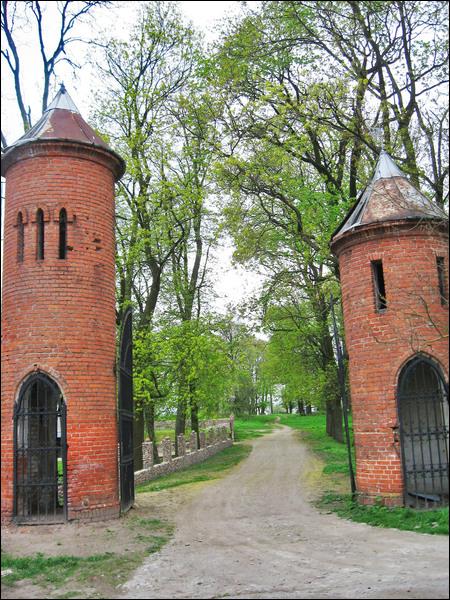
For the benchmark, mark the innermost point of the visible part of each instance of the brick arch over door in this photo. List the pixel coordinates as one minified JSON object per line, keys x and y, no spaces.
{"x":40,"y":480}
{"x":423,"y":411}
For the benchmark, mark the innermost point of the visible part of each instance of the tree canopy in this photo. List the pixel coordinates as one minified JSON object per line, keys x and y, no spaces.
{"x":266,"y":136}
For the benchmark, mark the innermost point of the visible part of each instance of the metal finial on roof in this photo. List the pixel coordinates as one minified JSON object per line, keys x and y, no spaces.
{"x":386,"y":167}
{"x":377,"y":134}
{"x":63,"y":101}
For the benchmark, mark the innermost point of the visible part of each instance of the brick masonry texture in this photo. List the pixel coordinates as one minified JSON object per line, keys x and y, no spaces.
{"x":379,"y":344}
{"x":58,"y":315}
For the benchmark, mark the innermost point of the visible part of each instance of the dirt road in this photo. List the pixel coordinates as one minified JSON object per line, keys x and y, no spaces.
{"x":253,"y":534}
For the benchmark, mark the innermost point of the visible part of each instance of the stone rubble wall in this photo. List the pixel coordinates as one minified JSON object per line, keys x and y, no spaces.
{"x":203,"y":424}
{"x":218,"y":440}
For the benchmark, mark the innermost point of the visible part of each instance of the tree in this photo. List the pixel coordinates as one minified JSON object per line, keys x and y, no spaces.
{"x":190,"y":175}
{"x":297,"y":143}
{"x":142,"y":80}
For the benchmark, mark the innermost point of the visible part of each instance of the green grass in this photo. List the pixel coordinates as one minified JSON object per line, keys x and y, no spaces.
{"x":336,"y":472}
{"x":160,"y":434}
{"x":246,"y":428}
{"x":212,"y":468}
{"x":49,"y":569}
{"x":422,"y":521}
{"x":313,"y":428}
{"x":153,"y":532}
{"x":71,"y":571}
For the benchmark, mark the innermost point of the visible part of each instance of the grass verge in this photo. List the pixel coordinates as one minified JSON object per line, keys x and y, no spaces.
{"x":212,"y":468}
{"x":422,"y":521}
{"x":336,"y":472}
{"x":79,"y":576}
{"x":247,"y":428}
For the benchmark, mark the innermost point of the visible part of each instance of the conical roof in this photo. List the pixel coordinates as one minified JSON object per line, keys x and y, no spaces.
{"x":62,"y":121}
{"x":389,"y":197}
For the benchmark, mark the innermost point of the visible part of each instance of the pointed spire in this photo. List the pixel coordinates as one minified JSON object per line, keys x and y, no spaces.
{"x":63,"y":101}
{"x":386,"y":167}
{"x":389,"y":197}
{"x":62,"y":122}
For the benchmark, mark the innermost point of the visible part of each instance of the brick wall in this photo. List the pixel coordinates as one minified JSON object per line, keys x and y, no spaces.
{"x":380,"y":343}
{"x":58,"y":315}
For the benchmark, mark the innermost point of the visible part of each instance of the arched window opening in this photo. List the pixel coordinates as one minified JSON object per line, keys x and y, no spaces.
{"x":40,"y":481}
{"x":40,"y":234}
{"x":424,"y":419}
{"x":20,"y":237}
{"x":379,"y":285}
{"x":62,"y":233}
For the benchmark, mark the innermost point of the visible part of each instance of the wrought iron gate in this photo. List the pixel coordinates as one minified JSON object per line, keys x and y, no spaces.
{"x":423,"y":419}
{"x":126,"y":414}
{"x":40,"y":453}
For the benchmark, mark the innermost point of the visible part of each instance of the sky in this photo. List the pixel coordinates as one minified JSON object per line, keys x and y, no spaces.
{"x":232,"y":282}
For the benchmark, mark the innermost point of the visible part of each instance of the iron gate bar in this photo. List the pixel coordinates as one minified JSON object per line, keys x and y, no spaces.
{"x":126,"y":415}
{"x":422,"y":397}
{"x":39,"y":415}
{"x":344,"y":399}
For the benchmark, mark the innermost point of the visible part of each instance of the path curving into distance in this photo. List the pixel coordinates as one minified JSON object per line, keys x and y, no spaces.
{"x":253,"y":534}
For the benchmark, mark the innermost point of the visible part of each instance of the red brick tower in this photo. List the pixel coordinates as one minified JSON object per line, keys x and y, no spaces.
{"x":59,"y":421}
{"x":393,"y":259}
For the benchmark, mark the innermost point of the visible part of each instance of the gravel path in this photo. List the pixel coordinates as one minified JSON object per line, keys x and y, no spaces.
{"x":254,"y":534}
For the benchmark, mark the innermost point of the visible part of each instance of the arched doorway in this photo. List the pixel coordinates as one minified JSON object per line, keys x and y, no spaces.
{"x":423,"y":418}
{"x":40,"y":473}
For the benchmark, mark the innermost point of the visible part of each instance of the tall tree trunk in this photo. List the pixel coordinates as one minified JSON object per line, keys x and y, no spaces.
{"x":333,"y":401}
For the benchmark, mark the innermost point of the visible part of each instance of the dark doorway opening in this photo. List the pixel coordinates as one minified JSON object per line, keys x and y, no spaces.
{"x":40,"y":455}
{"x":424,"y":428}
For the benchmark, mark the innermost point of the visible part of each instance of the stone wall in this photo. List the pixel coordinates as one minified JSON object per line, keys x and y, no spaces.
{"x":202,"y":424}
{"x":188,"y":454}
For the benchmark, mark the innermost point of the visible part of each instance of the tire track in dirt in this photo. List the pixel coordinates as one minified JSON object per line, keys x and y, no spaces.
{"x":254,"y":534}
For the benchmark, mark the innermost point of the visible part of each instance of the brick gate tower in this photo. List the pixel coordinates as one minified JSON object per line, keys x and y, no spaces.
{"x":393,"y":258}
{"x":59,"y":416}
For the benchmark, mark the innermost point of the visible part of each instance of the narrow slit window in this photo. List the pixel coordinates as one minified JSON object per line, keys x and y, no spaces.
{"x":440,"y":263}
{"x":379,"y":285}
{"x":20,"y":237}
{"x":62,"y":233}
{"x":40,"y":234}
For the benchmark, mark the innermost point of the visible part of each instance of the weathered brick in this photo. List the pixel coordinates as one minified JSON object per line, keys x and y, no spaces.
{"x":379,"y":344}
{"x":58,"y":315}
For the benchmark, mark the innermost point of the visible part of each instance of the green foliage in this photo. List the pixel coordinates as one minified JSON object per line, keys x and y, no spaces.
{"x":192,"y":350}
{"x":292,"y":359}
{"x":212,"y":468}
